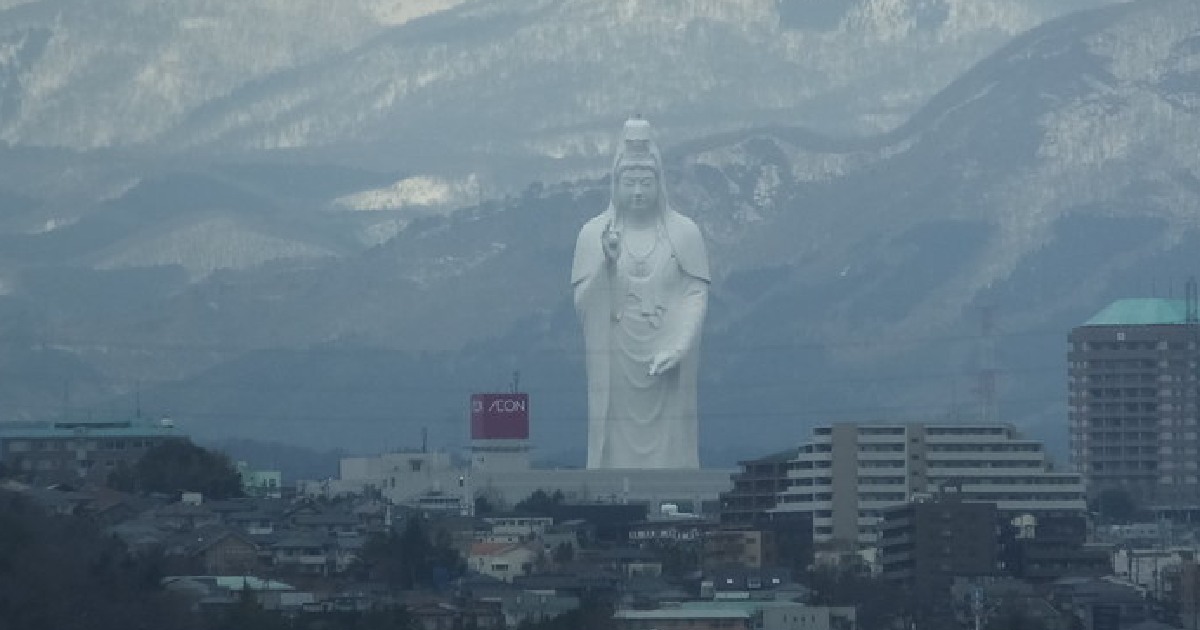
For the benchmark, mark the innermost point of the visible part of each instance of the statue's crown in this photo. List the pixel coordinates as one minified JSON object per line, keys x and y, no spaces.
{"x":637,"y":148}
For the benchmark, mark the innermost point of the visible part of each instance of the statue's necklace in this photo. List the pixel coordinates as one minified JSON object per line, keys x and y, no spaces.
{"x":641,"y":262}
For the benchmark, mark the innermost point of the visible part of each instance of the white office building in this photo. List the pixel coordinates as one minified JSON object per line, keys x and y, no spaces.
{"x":850,"y":472}
{"x":435,"y":481}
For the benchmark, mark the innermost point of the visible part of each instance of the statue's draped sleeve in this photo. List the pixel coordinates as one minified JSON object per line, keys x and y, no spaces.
{"x":592,"y":280}
{"x":687,"y":245}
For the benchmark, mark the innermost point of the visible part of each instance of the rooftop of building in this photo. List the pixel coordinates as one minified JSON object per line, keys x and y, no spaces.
{"x":231,"y":582}
{"x":712,"y":609}
{"x":682,"y":613}
{"x":1141,"y":312}
{"x":895,"y":426}
{"x":774,"y":458}
{"x":138,"y":428}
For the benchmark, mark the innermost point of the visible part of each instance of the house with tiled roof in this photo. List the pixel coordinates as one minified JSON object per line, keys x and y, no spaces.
{"x":304,"y":554}
{"x":186,"y":516}
{"x":216,"y":550}
{"x":255,"y":522}
{"x":328,"y":523}
{"x":503,"y":561}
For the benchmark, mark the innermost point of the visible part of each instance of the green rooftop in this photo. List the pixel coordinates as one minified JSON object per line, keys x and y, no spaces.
{"x":1141,"y":312}
{"x":103,"y":429}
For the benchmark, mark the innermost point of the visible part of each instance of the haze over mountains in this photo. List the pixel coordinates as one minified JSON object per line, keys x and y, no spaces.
{"x":264,"y":249}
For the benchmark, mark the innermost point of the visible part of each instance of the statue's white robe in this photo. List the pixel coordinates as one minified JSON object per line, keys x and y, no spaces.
{"x":636,"y":420}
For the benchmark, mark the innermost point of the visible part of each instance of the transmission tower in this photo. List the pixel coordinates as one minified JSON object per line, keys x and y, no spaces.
{"x":986,"y":369}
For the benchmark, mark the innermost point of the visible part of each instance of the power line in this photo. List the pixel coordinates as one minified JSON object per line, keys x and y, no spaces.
{"x":806,"y":414}
{"x":264,"y":384}
{"x":66,"y":343}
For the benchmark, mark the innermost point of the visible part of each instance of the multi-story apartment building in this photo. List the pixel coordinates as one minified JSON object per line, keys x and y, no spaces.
{"x":76,"y":451}
{"x":930,"y":541}
{"x":756,"y":488}
{"x":849,"y":473}
{"x":1132,"y":396}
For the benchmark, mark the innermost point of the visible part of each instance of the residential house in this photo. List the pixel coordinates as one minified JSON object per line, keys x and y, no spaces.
{"x":108,"y":507}
{"x":209,"y":592}
{"x":681,"y":618}
{"x":141,"y":535}
{"x":737,"y":615}
{"x":608,"y":523}
{"x":435,"y":616}
{"x":55,"y":501}
{"x":186,"y":516}
{"x":581,"y":579}
{"x":744,"y":582}
{"x":530,"y":606}
{"x":503,"y":561}
{"x":648,"y":591}
{"x":255,"y":522}
{"x":525,"y":526}
{"x":304,"y":554}
{"x":215,"y":550}
{"x":624,"y":561}
{"x":1102,"y":604}
{"x":483,"y":615}
{"x":373,"y":516}
{"x":326,"y":523}
{"x":670,"y":530}
{"x":561,"y":544}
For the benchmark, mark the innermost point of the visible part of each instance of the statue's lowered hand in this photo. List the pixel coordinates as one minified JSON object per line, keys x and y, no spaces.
{"x":664,"y":362}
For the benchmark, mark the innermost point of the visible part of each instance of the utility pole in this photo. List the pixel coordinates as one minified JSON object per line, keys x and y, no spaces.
{"x":977,"y":606}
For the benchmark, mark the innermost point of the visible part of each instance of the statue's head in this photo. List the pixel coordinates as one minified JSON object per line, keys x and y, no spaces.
{"x":637,"y":171}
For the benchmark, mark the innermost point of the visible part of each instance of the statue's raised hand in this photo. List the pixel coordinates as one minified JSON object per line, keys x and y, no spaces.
{"x":610,"y":239}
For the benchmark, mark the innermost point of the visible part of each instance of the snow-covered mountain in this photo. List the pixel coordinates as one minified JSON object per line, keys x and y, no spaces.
{"x":85,"y":75}
{"x":485,"y":77}
{"x":851,"y":274}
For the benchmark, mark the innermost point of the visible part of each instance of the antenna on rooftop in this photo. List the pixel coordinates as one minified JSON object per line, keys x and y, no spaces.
{"x":515,"y":386}
{"x":1193,"y":316}
{"x":424,"y":439}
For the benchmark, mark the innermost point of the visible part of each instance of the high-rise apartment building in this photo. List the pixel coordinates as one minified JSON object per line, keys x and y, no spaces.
{"x":1132,"y":397}
{"x":849,"y":473}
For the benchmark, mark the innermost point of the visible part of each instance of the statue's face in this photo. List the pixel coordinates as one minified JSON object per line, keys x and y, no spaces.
{"x":637,"y":190}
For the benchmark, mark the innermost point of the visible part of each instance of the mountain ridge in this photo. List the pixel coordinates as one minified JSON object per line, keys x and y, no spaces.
{"x":852,"y":276}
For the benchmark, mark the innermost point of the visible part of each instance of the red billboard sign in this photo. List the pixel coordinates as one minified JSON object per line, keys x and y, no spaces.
{"x":499,"y":416}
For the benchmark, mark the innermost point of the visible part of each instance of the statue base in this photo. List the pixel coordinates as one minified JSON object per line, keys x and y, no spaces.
{"x":655,"y":486}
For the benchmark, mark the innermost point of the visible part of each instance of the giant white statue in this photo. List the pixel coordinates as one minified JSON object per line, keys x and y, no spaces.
{"x":640,"y":278}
